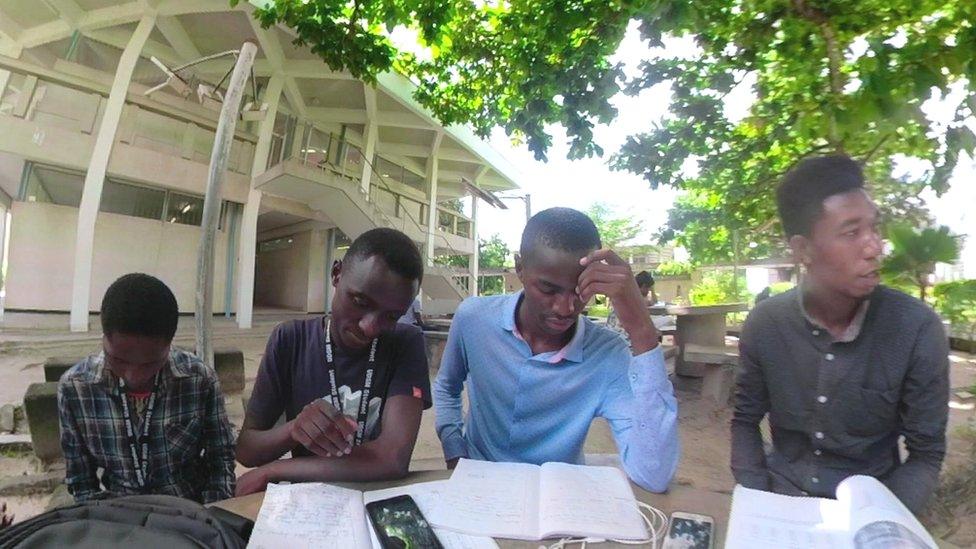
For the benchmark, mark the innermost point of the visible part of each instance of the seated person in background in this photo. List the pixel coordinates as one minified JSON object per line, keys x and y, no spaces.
{"x":842,"y":365}
{"x":352,"y":386}
{"x":414,"y":315}
{"x":537,"y":372}
{"x":150,"y":416}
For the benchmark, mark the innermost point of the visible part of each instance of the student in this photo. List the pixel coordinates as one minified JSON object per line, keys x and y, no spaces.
{"x":319,"y":371}
{"x":645,"y":283}
{"x":537,"y":372}
{"x":414,"y":315}
{"x":150,"y":416}
{"x":842,"y":365}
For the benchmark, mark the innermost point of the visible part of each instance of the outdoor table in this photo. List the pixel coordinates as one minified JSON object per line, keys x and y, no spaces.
{"x":701,"y":336}
{"x":678,"y":498}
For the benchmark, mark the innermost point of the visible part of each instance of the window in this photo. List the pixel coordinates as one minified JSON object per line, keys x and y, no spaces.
{"x":52,"y":185}
{"x":132,"y":200}
{"x":185,"y":209}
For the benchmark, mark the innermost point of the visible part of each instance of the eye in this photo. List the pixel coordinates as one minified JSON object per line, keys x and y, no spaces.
{"x":359,"y":301}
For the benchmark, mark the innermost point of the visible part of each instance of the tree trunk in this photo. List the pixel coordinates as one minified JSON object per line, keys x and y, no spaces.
{"x":229,"y":113}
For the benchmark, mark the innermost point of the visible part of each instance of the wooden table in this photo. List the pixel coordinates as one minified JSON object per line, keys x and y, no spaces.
{"x":679,"y":498}
{"x":701,"y":330}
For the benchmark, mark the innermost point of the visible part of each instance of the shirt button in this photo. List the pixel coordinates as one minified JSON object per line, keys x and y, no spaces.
{"x":821,"y":399}
{"x":819,"y":435}
{"x":814,"y":480}
{"x":829,"y":356}
{"x":633,"y":377}
{"x":817,"y":452}
{"x":816,"y":332}
{"x":804,"y":492}
{"x":643,"y":425}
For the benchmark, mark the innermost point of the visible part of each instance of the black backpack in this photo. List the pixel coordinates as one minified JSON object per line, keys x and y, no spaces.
{"x":144,"y":522}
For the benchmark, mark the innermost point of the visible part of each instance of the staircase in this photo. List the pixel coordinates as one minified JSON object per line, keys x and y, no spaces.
{"x":341,"y":199}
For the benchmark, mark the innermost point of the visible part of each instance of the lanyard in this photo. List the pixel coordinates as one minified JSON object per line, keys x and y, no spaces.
{"x":367,"y":384}
{"x":139,"y":446}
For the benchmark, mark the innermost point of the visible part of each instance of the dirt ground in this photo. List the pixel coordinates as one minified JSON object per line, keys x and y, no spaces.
{"x":703,"y":431}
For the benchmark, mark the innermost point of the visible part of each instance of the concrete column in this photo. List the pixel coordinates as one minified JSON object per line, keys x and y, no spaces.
{"x":369,"y":151}
{"x":432,"y":196}
{"x":476,"y":256}
{"x":95,"y":178}
{"x":249,"y":221}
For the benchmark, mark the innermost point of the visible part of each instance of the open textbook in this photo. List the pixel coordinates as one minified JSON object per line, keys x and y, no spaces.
{"x":307,"y":515}
{"x":524,"y":501}
{"x":865,"y":515}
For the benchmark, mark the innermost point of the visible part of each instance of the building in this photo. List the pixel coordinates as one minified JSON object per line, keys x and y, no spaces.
{"x":98,"y":179}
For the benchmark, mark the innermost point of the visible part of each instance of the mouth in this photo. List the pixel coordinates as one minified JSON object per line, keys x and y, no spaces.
{"x":355,"y":340}
{"x":560,"y":323}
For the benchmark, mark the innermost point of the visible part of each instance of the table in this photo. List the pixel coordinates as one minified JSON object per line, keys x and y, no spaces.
{"x":701,"y":330}
{"x":678,"y":498}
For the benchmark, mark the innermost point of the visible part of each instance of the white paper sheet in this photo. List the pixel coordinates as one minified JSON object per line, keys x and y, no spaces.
{"x":307,"y":515}
{"x":588,"y":501}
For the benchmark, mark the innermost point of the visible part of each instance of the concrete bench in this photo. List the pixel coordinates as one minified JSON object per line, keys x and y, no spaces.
{"x":41,"y":409}
{"x":54,"y":367}
{"x":715,"y":365}
{"x":435,"y":341}
{"x":229,"y":364}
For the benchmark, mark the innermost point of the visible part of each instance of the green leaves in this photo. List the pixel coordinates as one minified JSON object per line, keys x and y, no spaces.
{"x":915,"y":253}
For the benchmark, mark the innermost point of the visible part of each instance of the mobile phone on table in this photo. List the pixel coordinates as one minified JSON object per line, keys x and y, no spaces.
{"x":399,"y":524}
{"x":690,"y":531}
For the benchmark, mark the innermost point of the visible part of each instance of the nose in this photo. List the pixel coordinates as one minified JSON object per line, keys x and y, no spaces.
{"x":371,"y":325}
{"x":567,"y":304}
{"x":874,"y":246}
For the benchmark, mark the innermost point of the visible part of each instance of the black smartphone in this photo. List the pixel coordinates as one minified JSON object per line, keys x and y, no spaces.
{"x":399,"y":524}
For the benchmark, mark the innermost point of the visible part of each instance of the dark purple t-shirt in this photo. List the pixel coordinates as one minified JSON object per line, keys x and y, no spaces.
{"x":294,"y":372}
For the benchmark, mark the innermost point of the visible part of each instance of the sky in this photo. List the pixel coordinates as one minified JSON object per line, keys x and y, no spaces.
{"x":580,"y":183}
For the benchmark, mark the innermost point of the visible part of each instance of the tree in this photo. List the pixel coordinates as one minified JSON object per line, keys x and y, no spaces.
{"x":827,"y":76}
{"x":915,"y":253}
{"x":519,"y":65}
{"x":614,"y":230}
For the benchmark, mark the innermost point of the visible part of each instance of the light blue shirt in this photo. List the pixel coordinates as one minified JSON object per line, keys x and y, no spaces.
{"x":534,"y":409}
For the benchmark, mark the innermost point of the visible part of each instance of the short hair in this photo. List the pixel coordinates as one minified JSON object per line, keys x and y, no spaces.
{"x":139,"y":304}
{"x":563,"y":229}
{"x":644,"y":278}
{"x":396,"y":249}
{"x":804,"y":188}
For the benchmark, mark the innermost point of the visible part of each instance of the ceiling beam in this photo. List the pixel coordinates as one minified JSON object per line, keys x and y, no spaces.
{"x":119,"y":38}
{"x":92,"y":20}
{"x":337,"y":116}
{"x":177,"y":36}
{"x":67,"y":10}
{"x":406,"y":149}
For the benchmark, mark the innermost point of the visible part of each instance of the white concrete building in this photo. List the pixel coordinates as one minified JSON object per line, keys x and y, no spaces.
{"x":97,"y":179}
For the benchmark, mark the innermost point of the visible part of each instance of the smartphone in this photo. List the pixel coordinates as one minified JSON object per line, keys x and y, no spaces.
{"x":399,"y":524}
{"x":690,"y":531}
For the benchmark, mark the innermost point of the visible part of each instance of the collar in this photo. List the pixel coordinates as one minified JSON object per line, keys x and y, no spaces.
{"x":572,"y":351}
{"x":174,"y":369}
{"x":853,"y":329}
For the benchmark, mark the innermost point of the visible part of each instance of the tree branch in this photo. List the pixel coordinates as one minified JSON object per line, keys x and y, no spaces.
{"x":875,"y":149}
{"x":834,"y":61}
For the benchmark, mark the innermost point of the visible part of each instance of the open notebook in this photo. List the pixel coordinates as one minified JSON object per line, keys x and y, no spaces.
{"x":532,"y":502}
{"x":865,"y":515}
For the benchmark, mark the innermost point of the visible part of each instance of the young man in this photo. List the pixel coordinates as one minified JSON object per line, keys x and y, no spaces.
{"x":537,"y":373}
{"x":842,"y":365}
{"x":150,"y":416}
{"x":352,"y":386}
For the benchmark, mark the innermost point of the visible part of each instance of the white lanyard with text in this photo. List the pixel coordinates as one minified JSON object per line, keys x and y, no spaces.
{"x":367,"y":384}
{"x":139,"y":446}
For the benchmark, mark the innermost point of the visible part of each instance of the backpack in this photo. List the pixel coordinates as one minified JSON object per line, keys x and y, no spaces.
{"x":132,"y":521}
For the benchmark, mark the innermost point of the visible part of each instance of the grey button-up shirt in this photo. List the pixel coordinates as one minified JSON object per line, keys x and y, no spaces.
{"x":837,"y":407}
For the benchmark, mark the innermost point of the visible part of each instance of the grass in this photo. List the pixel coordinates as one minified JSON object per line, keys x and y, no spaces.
{"x":599,"y":310}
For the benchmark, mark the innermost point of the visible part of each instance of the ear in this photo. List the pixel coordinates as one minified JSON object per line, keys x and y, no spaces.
{"x":800,"y":245}
{"x":519,"y":265}
{"x":336,"y":271}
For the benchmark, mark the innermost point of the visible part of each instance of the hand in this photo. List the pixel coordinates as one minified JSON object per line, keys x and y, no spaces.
{"x":452,"y":463}
{"x":606,"y":273}
{"x":323,"y":429}
{"x":253,"y":481}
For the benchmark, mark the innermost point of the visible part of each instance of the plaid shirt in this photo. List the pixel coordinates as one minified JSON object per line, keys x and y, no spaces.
{"x":191,"y":445}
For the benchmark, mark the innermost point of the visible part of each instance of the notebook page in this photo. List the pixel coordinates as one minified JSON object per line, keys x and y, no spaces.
{"x":878,"y":517}
{"x":764,"y":520}
{"x":499,"y":500}
{"x":581,"y":500}
{"x":309,"y":515}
